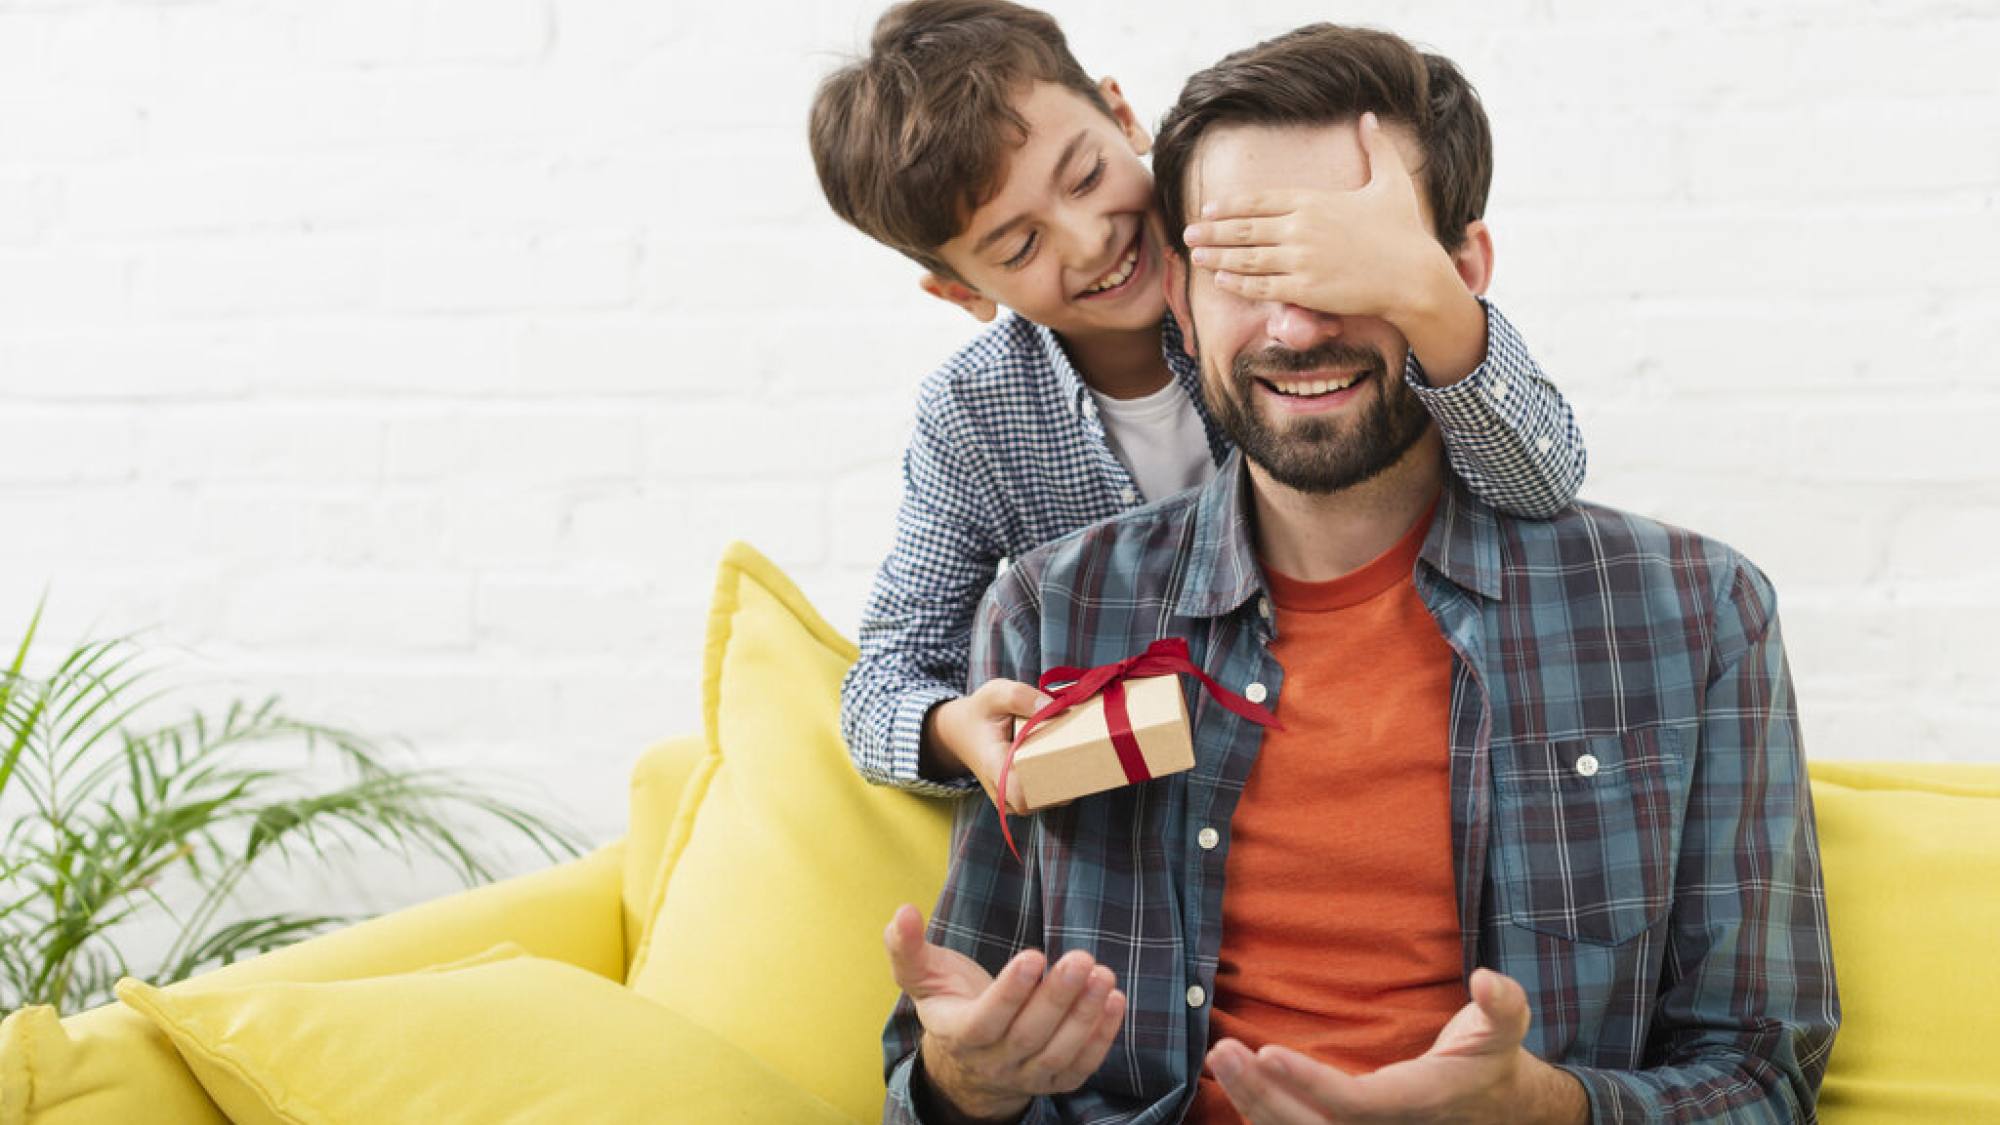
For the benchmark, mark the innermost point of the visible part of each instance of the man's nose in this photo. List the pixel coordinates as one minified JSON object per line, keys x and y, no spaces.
{"x":1299,"y":328}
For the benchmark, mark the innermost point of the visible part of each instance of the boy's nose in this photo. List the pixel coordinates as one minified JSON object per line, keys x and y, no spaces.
{"x":1299,"y":328}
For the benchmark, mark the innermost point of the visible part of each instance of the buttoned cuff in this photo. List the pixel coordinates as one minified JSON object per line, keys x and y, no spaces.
{"x":906,"y":740}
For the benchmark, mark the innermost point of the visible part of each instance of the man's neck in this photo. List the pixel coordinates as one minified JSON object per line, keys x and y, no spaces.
{"x":1316,"y":538}
{"x":1120,"y":364}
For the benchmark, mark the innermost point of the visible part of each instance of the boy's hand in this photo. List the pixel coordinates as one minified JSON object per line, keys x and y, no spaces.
{"x":1366,"y":252}
{"x":971,"y":734}
{"x":993,"y":1043}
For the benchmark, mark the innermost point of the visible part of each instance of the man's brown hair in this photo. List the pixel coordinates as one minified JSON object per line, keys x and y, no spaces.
{"x":911,"y":140}
{"x":1325,"y":74}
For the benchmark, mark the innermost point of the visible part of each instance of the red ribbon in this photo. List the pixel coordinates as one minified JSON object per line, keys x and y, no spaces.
{"x":1164,"y":656}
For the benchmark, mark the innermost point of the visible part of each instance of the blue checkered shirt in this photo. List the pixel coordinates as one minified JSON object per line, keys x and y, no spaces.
{"x":1008,"y":453}
{"x":1662,"y":904}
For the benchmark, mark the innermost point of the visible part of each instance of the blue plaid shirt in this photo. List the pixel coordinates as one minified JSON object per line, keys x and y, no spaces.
{"x":1008,"y":453}
{"x":1662,"y":905}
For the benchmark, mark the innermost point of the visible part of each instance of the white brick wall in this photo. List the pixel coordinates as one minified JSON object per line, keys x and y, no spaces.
{"x":417,"y":358}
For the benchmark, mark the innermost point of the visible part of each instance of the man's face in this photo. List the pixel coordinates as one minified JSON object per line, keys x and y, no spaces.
{"x":1315,"y":399}
{"x":1070,"y":240}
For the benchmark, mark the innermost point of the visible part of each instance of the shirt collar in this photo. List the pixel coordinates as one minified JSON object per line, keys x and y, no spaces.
{"x":1223,"y":571}
{"x":1076,"y":393}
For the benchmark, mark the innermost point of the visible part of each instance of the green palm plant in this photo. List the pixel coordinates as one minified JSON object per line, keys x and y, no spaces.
{"x":101,"y":809}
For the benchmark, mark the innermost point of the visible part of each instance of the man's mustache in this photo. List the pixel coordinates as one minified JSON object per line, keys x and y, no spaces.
{"x":1285,"y":361}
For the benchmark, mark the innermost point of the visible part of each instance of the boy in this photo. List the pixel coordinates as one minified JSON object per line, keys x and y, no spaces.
{"x":972,"y":141}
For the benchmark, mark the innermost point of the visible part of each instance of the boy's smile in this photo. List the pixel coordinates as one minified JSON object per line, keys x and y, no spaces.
{"x":1068,"y":238}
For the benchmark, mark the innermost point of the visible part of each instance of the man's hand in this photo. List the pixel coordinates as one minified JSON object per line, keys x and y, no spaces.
{"x":971,"y":734}
{"x":991,"y":1044}
{"x":1476,"y":1071}
{"x":1367,"y":252}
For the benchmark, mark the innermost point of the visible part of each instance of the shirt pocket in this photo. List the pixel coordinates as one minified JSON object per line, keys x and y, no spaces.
{"x":1587,"y":832}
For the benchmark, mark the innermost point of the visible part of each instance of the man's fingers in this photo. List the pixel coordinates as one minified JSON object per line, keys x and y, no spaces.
{"x":1235,"y":230}
{"x":1504,"y":1003}
{"x":904,"y":938}
{"x":1075,"y":1031}
{"x":1256,"y":1088}
{"x":1038,"y":1019}
{"x":996,"y":1009}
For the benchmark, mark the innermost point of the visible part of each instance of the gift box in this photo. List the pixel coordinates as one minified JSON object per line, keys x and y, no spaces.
{"x":1073,"y":754}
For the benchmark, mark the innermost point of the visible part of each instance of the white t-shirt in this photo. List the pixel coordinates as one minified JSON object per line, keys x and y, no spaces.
{"x":1159,"y":437}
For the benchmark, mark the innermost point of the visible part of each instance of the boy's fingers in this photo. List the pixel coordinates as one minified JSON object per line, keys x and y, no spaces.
{"x":1385,"y":160}
{"x":1235,"y":231}
{"x":1246,"y":259}
{"x":1251,"y":204}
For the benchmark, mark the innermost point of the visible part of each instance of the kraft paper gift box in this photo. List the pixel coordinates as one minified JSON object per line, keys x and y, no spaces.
{"x":1072,"y":755}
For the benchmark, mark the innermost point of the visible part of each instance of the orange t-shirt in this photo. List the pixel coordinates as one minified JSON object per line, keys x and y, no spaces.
{"x":1339,"y":913}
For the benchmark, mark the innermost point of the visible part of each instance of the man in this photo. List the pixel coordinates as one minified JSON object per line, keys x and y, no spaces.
{"x":1535,"y":841}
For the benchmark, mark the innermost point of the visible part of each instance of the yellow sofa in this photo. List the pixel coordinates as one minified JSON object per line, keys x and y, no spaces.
{"x":1912,"y":859}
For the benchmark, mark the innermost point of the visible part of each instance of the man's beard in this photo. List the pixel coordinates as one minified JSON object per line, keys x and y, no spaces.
{"x":1316,"y":454}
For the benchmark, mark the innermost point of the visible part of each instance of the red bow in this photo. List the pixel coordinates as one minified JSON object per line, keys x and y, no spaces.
{"x":1167,"y":655}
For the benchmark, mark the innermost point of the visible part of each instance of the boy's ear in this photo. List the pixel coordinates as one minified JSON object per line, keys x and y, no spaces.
{"x":1128,"y":121}
{"x":1175,"y":278}
{"x":1474,"y":257}
{"x":959,"y":293}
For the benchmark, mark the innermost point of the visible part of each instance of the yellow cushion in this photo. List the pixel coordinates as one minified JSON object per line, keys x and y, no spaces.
{"x":111,"y":1064}
{"x":507,"y":1037}
{"x":784,"y":866}
{"x":1911,"y":855}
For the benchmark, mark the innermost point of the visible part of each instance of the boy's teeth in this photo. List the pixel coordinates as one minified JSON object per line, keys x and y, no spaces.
{"x":1113,"y":281}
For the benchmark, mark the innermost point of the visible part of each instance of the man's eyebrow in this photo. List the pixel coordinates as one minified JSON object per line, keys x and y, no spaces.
{"x":1062,"y":161}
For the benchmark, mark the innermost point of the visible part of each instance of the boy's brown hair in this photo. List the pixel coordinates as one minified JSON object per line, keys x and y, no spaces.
{"x":1325,"y":74}
{"x":911,"y":140}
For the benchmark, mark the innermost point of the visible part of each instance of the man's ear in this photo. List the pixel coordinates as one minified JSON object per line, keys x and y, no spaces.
{"x":1128,"y":121}
{"x":1474,"y":257}
{"x":959,"y":293}
{"x":1174,"y":277}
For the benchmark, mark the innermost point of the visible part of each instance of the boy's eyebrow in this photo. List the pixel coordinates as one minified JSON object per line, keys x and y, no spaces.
{"x":1062,"y":161}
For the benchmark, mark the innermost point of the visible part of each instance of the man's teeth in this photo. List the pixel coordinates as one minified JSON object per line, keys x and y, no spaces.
{"x":1124,"y":271}
{"x":1316,"y":387}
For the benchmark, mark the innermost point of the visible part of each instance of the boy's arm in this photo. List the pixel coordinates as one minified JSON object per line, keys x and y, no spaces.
{"x":916,"y":629}
{"x":1507,"y":430}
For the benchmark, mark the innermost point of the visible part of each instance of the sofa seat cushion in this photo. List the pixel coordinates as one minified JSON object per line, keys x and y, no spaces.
{"x":495,"y":1038}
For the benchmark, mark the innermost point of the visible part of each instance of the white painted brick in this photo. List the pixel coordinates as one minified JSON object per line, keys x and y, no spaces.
{"x":262,"y":276}
{"x":26,"y":203}
{"x":118,"y":43}
{"x":483,"y":30}
{"x":358,"y":33}
{"x":52,"y":446}
{"x":84,"y":124}
{"x":542,"y":447}
{"x":366,"y":356}
{"x":40,"y":288}
{"x":488,"y":273}
{"x":305,"y":610}
{"x":190,"y":444}
{"x":540,"y":617}
{"x":129,"y":365}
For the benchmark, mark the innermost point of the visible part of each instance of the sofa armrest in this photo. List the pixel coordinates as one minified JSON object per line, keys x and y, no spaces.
{"x":111,"y":1064}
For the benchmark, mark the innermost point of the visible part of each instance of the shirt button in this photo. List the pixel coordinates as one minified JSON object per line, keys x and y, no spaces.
{"x":1208,"y":838}
{"x":1196,"y":997}
{"x":1587,"y":765}
{"x":1264,"y":607}
{"x":1499,"y":390}
{"x":1128,"y":496}
{"x":1255,"y":693}
{"x":1544,"y":444}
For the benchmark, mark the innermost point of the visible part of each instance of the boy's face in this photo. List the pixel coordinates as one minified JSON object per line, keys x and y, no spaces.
{"x":1070,"y":240}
